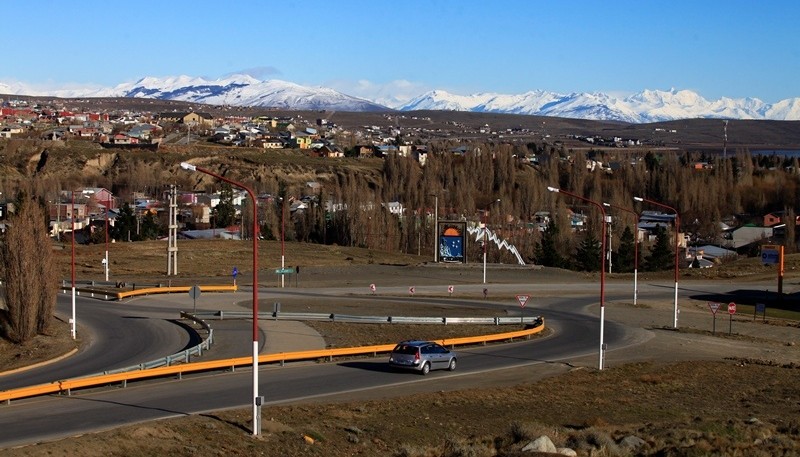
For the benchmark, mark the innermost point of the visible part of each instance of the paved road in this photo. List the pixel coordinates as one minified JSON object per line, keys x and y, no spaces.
{"x":566,"y":307}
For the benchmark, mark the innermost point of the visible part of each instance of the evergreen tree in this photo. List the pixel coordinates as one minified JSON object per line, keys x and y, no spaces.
{"x":624,"y":260}
{"x":546,"y":251}
{"x":126,"y":225}
{"x":225,"y":213}
{"x":150,"y":228}
{"x":587,"y":258}
{"x":661,"y":255}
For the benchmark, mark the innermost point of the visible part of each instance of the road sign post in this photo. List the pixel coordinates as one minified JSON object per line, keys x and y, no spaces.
{"x":522,"y":300}
{"x":714,"y":307}
{"x":194,"y":292}
{"x":234,"y":273}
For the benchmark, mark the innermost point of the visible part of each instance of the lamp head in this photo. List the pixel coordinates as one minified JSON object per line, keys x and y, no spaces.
{"x":188,"y":166}
{"x":638,"y":199}
{"x":553,"y":189}
{"x":608,"y":205}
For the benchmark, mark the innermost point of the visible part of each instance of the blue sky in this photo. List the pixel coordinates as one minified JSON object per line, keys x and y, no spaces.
{"x":376,"y":49}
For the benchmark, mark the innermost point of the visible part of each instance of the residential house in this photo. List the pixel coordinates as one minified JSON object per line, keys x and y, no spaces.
{"x":778,"y":217}
{"x":365,"y":152}
{"x":395,"y":208}
{"x":7,"y":131}
{"x":303,"y":140}
{"x":269,"y":143}
{"x":188,"y":118}
{"x":709,"y":253}
{"x":746,"y":234}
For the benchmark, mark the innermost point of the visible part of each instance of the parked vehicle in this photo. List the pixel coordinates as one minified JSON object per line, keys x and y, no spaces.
{"x":422,"y":356}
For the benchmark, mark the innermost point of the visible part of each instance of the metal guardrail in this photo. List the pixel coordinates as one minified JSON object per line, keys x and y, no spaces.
{"x":110,"y":295}
{"x":66,"y":386}
{"x":373,"y":319}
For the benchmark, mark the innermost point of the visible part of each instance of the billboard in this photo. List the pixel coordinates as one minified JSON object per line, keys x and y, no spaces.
{"x":451,"y":240}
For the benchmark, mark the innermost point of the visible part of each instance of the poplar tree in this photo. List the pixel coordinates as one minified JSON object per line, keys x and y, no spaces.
{"x":28,"y":273}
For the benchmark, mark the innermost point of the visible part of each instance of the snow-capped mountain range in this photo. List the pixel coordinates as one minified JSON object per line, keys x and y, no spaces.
{"x":243,"y":90}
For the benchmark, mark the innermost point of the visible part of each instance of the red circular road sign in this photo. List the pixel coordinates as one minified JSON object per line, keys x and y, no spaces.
{"x":731,"y":308}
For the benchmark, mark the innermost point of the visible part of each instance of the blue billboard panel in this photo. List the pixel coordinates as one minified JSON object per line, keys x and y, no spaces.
{"x":452,"y":238}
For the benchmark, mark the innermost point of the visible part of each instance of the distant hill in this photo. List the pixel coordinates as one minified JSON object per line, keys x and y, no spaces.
{"x":245,"y":91}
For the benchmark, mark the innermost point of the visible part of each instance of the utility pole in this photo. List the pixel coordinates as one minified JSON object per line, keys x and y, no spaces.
{"x":172,"y":240}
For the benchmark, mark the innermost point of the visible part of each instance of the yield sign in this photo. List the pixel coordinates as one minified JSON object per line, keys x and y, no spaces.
{"x":522,"y":299}
{"x":714,"y":307}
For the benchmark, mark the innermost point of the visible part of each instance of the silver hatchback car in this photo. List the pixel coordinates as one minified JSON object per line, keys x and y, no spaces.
{"x":422,"y":356}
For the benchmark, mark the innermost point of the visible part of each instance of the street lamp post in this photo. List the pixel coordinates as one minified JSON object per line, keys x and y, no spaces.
{"x":435,"y":228}
{"x":485,"y":240}
{"x":256,"y":398}
{"x":602,"y":268}
{"x":677,"y":248}
{"x":73,"y":322}
{"x":635,"y":248}
{"x":106,"y":258}
{"x":283,"y":237}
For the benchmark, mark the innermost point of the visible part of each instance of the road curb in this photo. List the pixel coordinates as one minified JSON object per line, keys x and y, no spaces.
{"x":40,"y":364}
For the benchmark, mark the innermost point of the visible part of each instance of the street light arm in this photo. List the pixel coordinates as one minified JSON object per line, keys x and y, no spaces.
{"x":677,"y":248}
{"x":602,"y":266}
{"x":256,"y":402}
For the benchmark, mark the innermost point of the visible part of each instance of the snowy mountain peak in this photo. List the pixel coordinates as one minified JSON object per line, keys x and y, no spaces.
{"x":649,"y":105}
{"x":646,"y":106}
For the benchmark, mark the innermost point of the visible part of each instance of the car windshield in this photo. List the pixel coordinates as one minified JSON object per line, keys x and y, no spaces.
{"x":405,"y":349}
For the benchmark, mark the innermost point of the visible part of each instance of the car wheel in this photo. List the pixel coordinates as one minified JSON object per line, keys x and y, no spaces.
{"x":426,"y":368}
{"x":452,"y":365}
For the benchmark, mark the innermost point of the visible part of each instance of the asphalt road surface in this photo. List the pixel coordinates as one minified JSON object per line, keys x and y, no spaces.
{"x":142,"y":329}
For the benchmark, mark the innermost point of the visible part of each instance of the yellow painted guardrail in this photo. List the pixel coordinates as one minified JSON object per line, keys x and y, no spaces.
{"x":94,"y":381}
{"x":151,"y":290}
{"x":169,"y":290}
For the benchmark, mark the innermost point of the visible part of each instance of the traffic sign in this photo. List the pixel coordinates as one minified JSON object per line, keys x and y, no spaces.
{"x":372,"y":288}
{"x":770,"y":254}
{"x":194,"y":292}
{"x":411,"y":290}
{"x":284,"y":271}
{"x":522,"y":299}
{"x":450,"y":290}
{"x":714,"y":307}
{"x":235,"y":272}
{"x":731,"y":308}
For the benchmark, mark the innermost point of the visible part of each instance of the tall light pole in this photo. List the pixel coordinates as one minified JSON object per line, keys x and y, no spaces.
{"x":485,"y":240}
{"x":677,"y":248}
{"x":256,"y":400}
{"x":635,"y":248}
{"x":106,"y":259}
{"x":72,"y":328}
{"x":602,"y":268}
{"x":435,"y":228}
{"x":283,"y":236}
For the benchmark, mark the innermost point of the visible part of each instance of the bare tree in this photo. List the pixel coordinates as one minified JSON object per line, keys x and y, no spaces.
{"x":28,"y":273}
